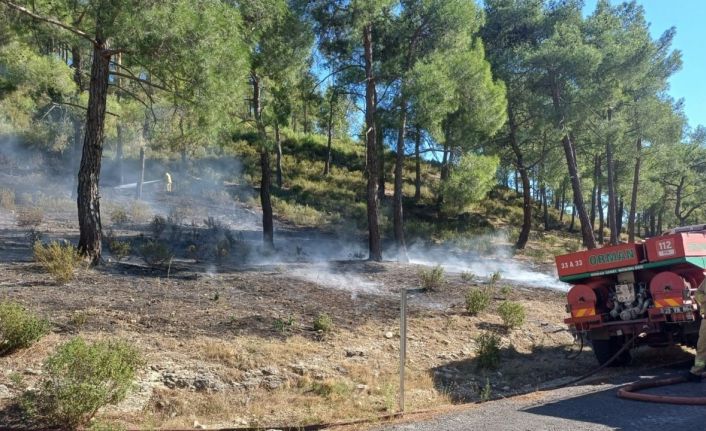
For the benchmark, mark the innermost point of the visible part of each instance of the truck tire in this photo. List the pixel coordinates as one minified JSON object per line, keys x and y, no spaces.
{"x":605,"y":349}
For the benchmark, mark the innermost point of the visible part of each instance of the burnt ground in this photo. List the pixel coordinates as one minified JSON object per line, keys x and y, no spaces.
{"x":230,"y":341}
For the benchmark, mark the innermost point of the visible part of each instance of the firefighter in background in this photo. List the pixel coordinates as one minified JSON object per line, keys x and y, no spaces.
{"x":167,"y":182}
{"x":700,"y":361}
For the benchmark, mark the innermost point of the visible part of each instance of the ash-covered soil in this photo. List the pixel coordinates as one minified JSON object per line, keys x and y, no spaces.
{"x":230,"y":342}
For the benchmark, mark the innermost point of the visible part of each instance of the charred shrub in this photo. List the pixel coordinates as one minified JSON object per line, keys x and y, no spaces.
{"x":82,"y":377}
{"x":488,"y":350}
{"x":139,"y":212}
{"x":495,"y":277}
{"x":58,"y":259}
{"x":155,"y":253}
{"x":432,"y":278}
{"x":477,"y":300}
{"x":29,"y":217}
{"x":467,"y":276}
{"x":157,"y":226}
{"x":512,"y":314}
{"x":34,"y":236}
{"x":19,"y":328}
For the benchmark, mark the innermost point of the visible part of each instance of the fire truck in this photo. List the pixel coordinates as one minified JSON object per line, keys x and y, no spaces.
{"x":644,"y":288}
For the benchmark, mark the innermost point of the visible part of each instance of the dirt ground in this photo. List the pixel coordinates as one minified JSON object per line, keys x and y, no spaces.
{"x":231,"y":344}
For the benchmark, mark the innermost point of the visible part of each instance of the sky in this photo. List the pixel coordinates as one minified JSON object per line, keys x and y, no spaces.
{"x":689,"y":18}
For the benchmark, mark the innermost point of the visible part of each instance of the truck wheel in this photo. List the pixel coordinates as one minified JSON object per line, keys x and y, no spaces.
{"x":605,"y":349}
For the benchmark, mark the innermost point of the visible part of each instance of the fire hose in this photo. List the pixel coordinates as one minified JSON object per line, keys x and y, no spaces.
{"x":631,"y":391}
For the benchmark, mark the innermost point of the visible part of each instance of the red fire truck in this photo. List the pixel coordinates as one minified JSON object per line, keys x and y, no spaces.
{"x":644,"y":288}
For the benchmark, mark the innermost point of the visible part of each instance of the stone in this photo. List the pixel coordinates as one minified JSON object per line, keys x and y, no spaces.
{"x":270,"y":371}
{"x":358,"y":352}
{"x":389,"y":334}
{"x":198,"y":426}
{"x":5,"y":392}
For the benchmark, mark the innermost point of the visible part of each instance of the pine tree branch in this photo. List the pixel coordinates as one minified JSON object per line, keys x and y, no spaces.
{"x":52,"y":21}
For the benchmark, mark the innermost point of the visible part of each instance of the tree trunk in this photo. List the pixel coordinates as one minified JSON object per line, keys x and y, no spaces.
{"x":140,"y":174}
{"x":653,"y":221}
{"x":526,"y":192}
{"x":397,"y":216}
{"x":660,"y":218}
{"x":594,"y":189}
{"x":76,"y":120}
{"x":563,"y":200}
{"x":586,"y":232}
{"x":612,"y":201}
{"x":119,"y":155}
{"x":265,"y":174}
{"x":278,"y":160}
{"x":633,"y":194}
{"x":573,"y":218}
{"x":381,"y":164}
{"x":417,"y":166}
{"x":619,"y":217}
{"x":677,"y":203}
{"x":545,"y":214}
{"x":517,"y":181}
{"x":329,"y":139}
{"x":601,"y":216}
{"x":88,"y":200}
{"x":374,"y":243}
{"x":265,"y":201}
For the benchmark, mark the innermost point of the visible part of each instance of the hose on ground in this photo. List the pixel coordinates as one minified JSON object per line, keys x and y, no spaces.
{"x":612,"y":359}
{"x":630,"y":392}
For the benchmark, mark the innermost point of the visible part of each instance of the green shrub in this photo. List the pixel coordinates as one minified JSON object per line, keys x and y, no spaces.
{"x":495,"y":277}
{"x":467,"y":276}
{"x":19,"y":328}
{"x":505,"y":290}
{"x":477,"y":300}
{"x":487,"y":391}
{"x":155,"y":253}
{"x":7,"y":199}
{"x":29,"y":217}
{"x":512,"y":314}
{"x":323,"y":322}
{"x":58,"y":259}
{"x":82,"y":377}
{"x":488,"y":350}
{"x":118,"y":216}
{"x":431,"y":278}
{"x":119,"y":249}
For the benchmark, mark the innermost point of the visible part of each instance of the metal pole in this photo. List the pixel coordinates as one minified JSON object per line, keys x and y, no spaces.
{"x":403,"y":344}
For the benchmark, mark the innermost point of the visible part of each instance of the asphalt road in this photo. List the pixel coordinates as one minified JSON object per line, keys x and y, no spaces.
{"x":593,"y":406}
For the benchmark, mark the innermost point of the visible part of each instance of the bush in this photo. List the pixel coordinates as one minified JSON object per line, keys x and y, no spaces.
{"x":83,"y":377}
{"x":157,"y":226}
{"x":431,"y":278}
{"x":33,"y":236}
{"x":495,"y":277}
{"x":118,"y":216}
{"x":512,"y":314}
{"x":58,"y":259}
{"x":155,"y":253}
{"x":323,"y":322}
{"x":488,"y":350}
{"x":7,"y":199}
{"x":139,"y":212}
{"x":19,"y":328}
{"x":477,"y":300}
{"x":29,"y":217}
{"x":467,"y":276}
